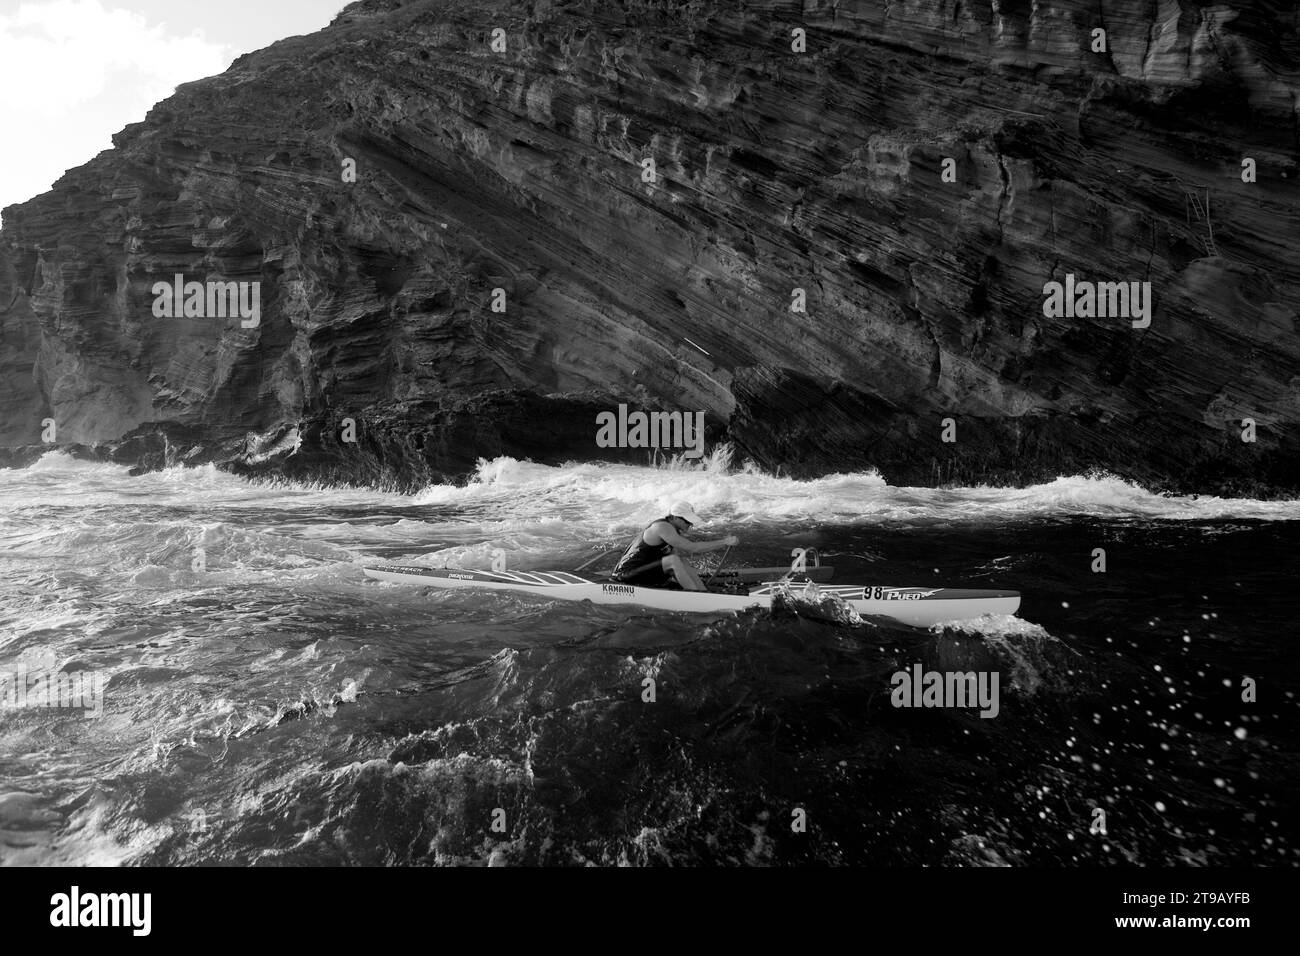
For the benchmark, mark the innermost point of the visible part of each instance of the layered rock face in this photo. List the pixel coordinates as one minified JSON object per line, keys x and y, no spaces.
{"x":649,"y":183}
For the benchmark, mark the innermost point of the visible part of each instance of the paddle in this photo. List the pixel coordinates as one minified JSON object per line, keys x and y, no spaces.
{"x":721,"y":565}
{"x":602,"y":554}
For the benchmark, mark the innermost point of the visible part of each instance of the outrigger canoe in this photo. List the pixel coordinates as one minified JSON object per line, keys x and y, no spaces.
{"x":920,"y":607}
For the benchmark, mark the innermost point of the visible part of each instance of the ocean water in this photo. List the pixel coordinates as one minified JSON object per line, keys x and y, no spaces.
{"x":270,"y":705}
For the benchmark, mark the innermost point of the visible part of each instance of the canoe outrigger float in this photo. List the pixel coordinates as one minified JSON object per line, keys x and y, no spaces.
{"x":919,"y":607}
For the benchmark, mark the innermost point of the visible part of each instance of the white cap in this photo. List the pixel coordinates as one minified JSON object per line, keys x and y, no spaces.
{"x":683,"y":509}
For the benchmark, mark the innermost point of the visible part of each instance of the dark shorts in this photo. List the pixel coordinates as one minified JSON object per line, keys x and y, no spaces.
{"x":651,"y":576}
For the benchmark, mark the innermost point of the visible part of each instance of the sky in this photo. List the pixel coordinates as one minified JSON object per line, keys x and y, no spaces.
{"x":74,"y":72}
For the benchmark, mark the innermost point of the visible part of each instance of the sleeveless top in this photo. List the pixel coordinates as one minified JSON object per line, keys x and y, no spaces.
{"x":639,"y":554}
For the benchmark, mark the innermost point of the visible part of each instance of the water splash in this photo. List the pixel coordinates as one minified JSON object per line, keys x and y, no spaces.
{"x":811,"y":602}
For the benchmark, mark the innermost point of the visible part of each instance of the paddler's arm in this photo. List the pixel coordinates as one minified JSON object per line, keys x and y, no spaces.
{"x":683,"y":546}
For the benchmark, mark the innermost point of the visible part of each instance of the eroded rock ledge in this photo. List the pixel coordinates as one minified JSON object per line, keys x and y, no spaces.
{"x":522,"y":170}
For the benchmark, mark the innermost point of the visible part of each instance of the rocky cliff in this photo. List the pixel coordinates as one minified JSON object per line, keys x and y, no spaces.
{"x":649,"y":183}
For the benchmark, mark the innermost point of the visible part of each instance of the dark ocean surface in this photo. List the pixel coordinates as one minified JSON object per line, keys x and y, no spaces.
{"x":270,"y":705}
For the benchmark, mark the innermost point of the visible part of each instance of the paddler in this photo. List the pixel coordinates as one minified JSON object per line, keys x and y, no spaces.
{"x":655,"y":557}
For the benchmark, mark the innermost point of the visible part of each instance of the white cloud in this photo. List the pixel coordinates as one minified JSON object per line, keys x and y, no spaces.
{"x":72,"y":73}
{"x":57,"y":54}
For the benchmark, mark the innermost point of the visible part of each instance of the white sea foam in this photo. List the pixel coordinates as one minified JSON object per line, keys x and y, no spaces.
{"x":530,"y":511}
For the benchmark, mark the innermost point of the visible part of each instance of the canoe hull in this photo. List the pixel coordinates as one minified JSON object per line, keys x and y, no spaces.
{"x":919,"y":607}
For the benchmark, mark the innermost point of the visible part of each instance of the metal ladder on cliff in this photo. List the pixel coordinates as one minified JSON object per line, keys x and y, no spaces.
{"x":1197,"y":212}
